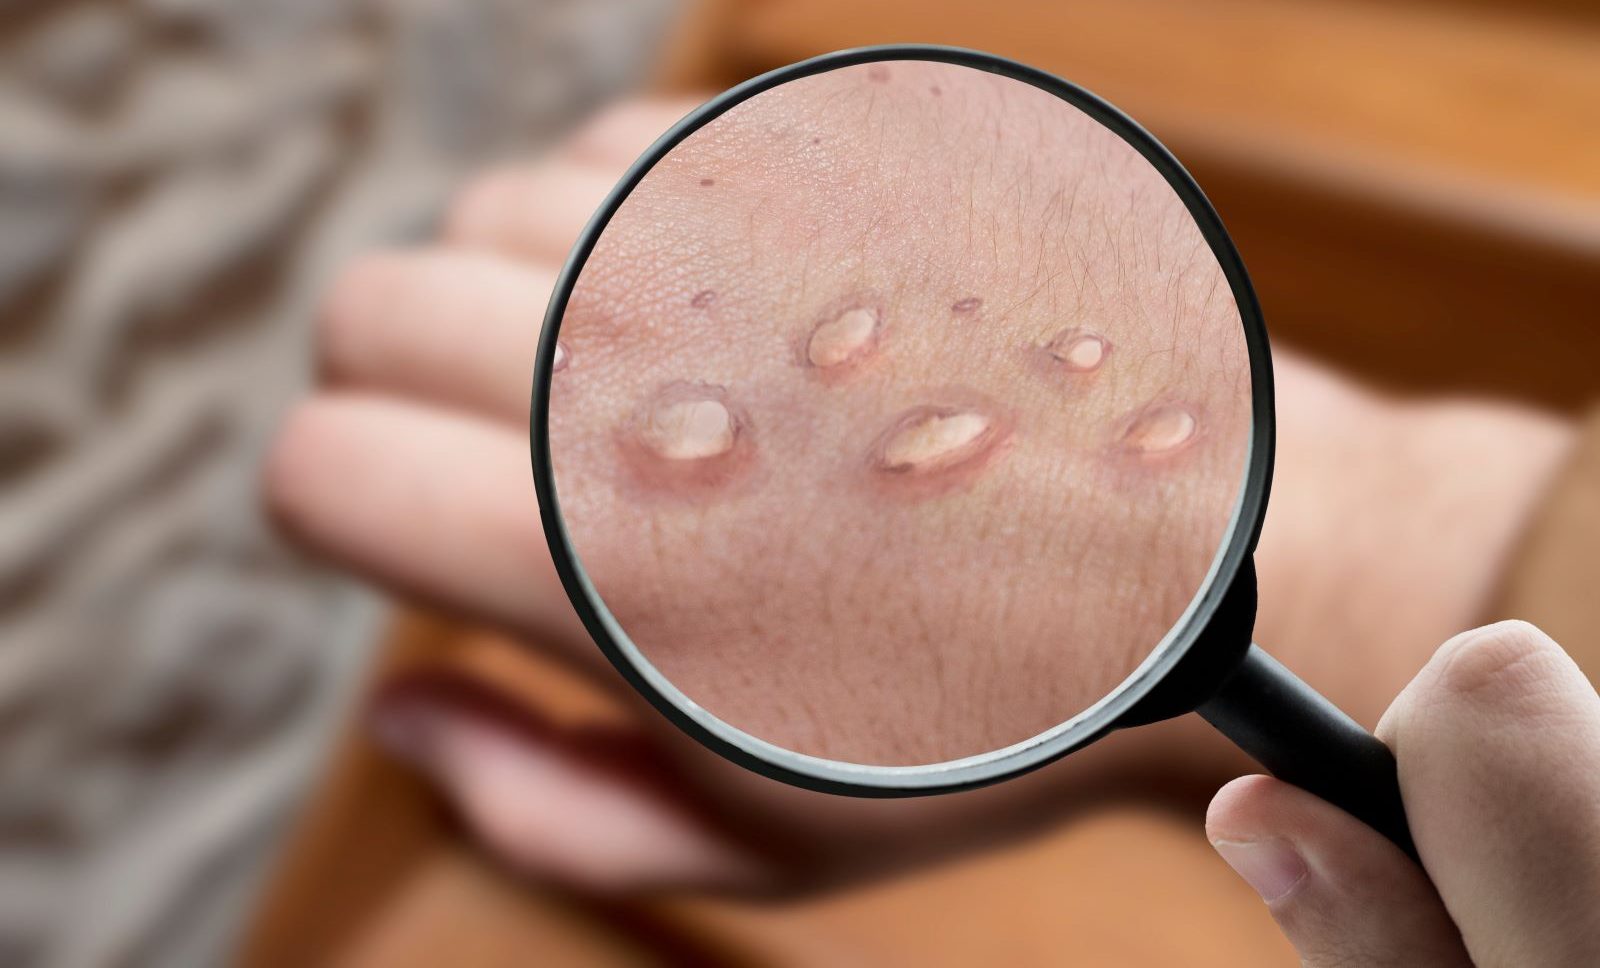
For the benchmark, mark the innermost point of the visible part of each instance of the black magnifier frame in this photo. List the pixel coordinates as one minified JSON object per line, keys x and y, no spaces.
{"x":1206,"y":663}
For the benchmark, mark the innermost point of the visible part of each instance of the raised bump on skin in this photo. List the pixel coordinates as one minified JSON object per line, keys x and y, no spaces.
{"x":688,"y":429}
{"x":1078,"y":349}
{"x":1161,"y":429}
{"x":561,"y":360}
{"x":929,"y":439}
{"x":687,"y":442}
{"x":843,"y":339}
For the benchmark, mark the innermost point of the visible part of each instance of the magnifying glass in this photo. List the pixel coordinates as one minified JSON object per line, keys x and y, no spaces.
{"x":903,"y":421}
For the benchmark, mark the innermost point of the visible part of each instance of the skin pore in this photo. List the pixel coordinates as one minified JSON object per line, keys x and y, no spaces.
{"x":897,"y":426}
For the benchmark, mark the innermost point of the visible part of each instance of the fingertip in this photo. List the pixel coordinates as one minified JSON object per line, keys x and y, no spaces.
{"x":294,"y":461}
{"x":1245,"y":825}
{"x":1508,"y":670}
{"x":1341,"y":892}
{"x":1507,"y":662}
{"x":1493,"y":740}
{"x":1239,"y":808}
{"x":1338,"y":849}
{"x":318,"y":445}
{"x":360,"y":292}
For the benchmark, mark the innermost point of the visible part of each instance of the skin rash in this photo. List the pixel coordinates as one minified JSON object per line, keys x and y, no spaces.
{"x":898,"y":426}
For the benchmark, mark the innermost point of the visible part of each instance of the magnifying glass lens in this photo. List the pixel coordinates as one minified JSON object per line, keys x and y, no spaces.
{"x":900,"y":414}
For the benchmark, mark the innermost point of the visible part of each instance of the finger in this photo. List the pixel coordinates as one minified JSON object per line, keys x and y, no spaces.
{"x":454,"y":327}
{"x":533,"y":213}
{"x":1498,"y":740}
{"x":583,"y":810}
{"x":435,"y":504}
{"x":615,"y":137}
{"x":1342,"y":894}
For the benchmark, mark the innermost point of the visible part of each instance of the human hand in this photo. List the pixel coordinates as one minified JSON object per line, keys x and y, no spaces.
{"x":1498,"y":745}
{"x":411,"y":466}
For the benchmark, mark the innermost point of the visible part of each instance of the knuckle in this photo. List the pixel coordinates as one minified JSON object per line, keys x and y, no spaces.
{"x":359,"y":295}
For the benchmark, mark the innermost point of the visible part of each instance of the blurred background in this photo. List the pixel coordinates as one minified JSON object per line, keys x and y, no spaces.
{"x":1415,"y":187}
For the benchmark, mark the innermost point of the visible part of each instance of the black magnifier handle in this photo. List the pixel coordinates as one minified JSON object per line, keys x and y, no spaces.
{"x":1302,"y":738}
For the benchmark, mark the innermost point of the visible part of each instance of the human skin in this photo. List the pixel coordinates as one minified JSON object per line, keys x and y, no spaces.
{"x":1384,"y":536}
{"x":1498,"y":745}
{"x":975,"y":399}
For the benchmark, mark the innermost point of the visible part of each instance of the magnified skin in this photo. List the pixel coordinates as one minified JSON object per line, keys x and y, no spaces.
{"x":901,"y":413}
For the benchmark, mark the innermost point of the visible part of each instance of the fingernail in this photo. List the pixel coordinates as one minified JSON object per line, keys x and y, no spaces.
{"x":1273,"y":867}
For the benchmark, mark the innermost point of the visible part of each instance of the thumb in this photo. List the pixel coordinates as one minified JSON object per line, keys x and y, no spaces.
{"x":1342,"y":894}
{"x":579,"y":810}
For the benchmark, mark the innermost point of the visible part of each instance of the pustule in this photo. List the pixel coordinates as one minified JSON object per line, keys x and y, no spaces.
{"x":841,"y":342}
{"x":1079,"y":350}
{"x":933,"y":439}
{"x":688,"y":438}
{"x":933,"y":449}
{"x":684,"y":430}
{"x":1160,"y":429}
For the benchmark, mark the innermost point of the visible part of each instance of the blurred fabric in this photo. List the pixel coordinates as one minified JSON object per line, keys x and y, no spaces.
{"x":178,"y":178}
